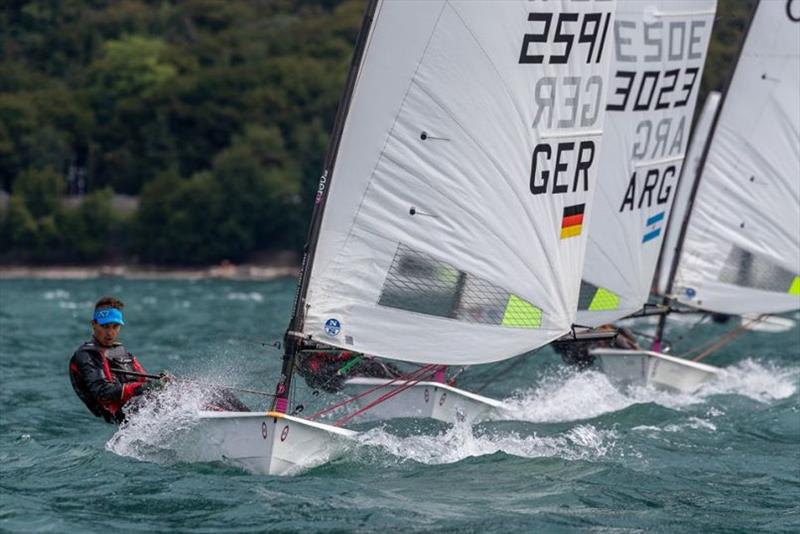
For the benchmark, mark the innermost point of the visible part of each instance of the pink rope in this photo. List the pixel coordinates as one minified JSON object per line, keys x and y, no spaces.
{"x":370,"y":390}
{"x":396,"y":391}
{"x":281,"y":404}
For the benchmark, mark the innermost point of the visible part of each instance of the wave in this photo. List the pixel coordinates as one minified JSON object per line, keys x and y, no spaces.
{"x":56,"y":294}
{"x":160,"y":422}
{"x":158,"y":431}
{"x":762,"y":381}
{"x":570,"y":395}
{"x":252,"y":296}
{"x":462,"y":441}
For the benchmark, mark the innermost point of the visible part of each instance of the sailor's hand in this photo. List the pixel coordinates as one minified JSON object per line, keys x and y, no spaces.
{"x":165,"y":377}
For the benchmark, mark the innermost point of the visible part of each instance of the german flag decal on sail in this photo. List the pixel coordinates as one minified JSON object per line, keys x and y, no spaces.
{"x":572,"y":223}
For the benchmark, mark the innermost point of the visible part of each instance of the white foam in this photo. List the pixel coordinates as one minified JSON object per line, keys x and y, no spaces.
{"x":692,"y":423}
{"x":252,"y":296}
{"x":56,"y":294}
{"x":566,"y":395}
{"x":155,"y":431}
{"x":569,"y":395}
{"x":461,"y":441}
{"x":761,"y":381}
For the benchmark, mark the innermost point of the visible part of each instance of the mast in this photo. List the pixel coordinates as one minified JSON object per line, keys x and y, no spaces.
{"x":701,"y":168}
{"x":292,"y":341}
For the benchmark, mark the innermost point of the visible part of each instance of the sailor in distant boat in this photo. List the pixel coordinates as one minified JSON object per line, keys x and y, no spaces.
{"x":577,"y":352}
{"x":95,"y":368}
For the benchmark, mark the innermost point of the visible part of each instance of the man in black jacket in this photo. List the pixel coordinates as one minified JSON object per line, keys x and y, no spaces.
{"x":94,"y":368}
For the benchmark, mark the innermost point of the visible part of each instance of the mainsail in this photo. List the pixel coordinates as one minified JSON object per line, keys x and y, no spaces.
{"x":689,"y":175}
{"x":660,"y":48}
{"x":741,"y":249}
{"x":465,"y":163}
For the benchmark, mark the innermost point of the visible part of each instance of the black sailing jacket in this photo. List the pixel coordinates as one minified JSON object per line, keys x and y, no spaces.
{"x":91,"y":371}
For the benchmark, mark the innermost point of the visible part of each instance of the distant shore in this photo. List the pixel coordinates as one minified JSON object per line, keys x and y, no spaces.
{"x":144,"y":272}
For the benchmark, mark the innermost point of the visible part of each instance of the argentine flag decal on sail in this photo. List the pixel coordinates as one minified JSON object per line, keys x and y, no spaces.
{"x":653,"y":226}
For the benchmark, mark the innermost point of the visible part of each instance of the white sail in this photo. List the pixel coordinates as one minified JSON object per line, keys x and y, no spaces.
{"x":741,"y":252}
{"x":660,"y":48}
{"x":451,"y":231}
{"x":691,"y":171}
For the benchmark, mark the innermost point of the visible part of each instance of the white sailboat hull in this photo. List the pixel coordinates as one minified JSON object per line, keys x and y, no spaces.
{"x":769,"y":324}
{"x":433,"y":400}
{"x":626,"y":368}
{"x":268,"y":443}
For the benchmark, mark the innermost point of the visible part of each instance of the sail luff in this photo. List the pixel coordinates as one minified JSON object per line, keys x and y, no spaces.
{"x":701,"y":134}
{"x":291,"y":337}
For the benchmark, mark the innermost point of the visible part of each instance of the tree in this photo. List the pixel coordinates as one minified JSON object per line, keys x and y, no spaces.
{"x":33,"y":208}
{"x":39,"y":191}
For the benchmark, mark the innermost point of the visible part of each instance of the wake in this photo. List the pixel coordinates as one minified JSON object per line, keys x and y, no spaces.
{"x":462,"y":441}
{"x":569,"y":395}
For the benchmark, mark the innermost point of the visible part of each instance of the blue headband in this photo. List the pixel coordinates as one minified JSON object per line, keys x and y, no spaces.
{"x":108,"y":315}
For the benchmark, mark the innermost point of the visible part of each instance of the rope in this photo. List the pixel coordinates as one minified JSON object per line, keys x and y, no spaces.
{"x":695,"y":325}
{"x":368,"y":391}
{"x":195,"y":382}
{"x":722,"y":341}
{"x":391,"y":393}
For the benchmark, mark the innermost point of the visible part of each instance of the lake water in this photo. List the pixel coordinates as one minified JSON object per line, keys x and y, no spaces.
{"x":583,"y":456}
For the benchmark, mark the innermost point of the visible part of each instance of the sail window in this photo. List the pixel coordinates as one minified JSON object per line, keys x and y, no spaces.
{"x":595,"y":298}
{"x":745,"y":269}
{"x":420,"y":283}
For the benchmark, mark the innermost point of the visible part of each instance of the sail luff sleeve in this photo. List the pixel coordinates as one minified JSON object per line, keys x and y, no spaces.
{"x":292,"y":338}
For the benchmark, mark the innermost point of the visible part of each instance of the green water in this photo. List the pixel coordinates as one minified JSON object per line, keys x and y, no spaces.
{"x":584,"y":457}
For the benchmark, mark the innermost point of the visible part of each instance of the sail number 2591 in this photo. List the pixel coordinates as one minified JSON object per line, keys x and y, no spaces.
{"x":592,"y":29}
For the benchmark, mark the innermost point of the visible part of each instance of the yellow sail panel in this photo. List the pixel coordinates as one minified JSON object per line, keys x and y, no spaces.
{"x":521,"y":314}
{"x":604,"y":300}
{"x":795,"y":288}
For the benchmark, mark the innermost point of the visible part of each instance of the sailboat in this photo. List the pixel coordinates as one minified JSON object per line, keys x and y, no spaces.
{"x":447,"y":227}
{"x":736,"y":250}
{"x":660,"y":51}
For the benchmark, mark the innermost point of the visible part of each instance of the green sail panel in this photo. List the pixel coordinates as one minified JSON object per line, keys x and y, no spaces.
{"x":593,"y":298}
{"x":521,"y":314}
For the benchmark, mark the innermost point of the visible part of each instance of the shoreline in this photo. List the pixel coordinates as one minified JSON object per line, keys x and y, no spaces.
{"x":144,"y":272}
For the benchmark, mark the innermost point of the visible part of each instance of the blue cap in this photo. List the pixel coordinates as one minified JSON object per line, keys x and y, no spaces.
{"x":108,"y":315}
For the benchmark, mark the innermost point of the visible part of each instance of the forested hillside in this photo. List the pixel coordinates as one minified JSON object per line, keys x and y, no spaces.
{"x":214,"y":113}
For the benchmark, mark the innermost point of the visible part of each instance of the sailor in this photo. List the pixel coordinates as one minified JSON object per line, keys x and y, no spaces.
{"x":328,"y":369}
{"x":94,"y":368}
{"x":577,"y":352}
